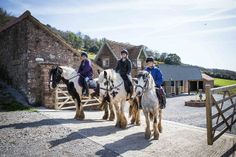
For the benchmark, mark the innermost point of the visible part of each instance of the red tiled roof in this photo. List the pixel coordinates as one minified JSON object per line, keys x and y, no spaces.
{"x":117,"y":47}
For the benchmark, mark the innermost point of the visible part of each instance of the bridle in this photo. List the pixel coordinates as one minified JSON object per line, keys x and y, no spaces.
{"x":51,"y":73}
{"x":110,"y":83}
{"x":109,"y":86}
{"x":146,"y":80}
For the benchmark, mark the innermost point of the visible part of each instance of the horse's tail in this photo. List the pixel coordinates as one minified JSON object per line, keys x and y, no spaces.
{"x":150,"y":115}
{"x":133,"y":107}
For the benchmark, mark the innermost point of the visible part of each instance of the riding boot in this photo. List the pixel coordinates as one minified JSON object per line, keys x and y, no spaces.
{"x":131,"y":90}
{"x":86,"y":89}
{"x":159,"y":97}
{"x":139,"y":102}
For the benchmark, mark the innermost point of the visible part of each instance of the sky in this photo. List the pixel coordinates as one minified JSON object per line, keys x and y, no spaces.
{"x":201,"y":32}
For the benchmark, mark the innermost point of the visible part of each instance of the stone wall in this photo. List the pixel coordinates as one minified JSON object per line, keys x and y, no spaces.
{"x":44,"y":46}
{"x":13,"y":56}
{"x":27,"y":52}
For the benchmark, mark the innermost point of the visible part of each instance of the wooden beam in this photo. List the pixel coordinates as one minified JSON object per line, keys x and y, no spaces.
{"x":225,"y":88}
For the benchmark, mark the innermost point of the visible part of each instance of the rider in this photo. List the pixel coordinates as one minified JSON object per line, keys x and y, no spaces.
{"x":86,"y":73}
{"x":124,"y":69}
{"x":158,"y":78}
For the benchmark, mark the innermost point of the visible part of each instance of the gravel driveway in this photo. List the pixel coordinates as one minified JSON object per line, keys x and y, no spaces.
{"x":30,"y":134}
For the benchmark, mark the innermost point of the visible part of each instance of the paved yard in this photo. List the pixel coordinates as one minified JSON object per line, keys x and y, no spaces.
{"x":176,"y":140}
{"x":176,"y":111}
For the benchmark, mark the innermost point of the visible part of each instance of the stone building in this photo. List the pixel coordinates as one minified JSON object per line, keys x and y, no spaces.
{"x":28,"y":49}
{"x":180,"y":79}
{"x":109,"y":54}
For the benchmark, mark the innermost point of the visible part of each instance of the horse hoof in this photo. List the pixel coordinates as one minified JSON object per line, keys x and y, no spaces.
{"x":147,"y":136}
{"x":160,"y":128}
{"x":138,"y":123}
{"x":105,"y":117}
{"x":117,"y":125}
{"x":111,"y":119}
{"x":156,"y":137}
{"x":81,"y":118}
{"x":132,"y":121}
{"x":123,"y":126}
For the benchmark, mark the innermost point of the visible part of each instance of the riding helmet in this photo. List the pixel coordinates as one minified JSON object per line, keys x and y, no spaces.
{"x":149,"y":59}
{"x":84,"y":54}
{"x":124,"y":51}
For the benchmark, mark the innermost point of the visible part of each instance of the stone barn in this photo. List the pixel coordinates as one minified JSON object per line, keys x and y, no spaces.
{"x":109,"y":54}
{"x":28,"y":49}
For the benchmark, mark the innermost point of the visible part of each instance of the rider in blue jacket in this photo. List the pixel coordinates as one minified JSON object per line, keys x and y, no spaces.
{"x":158,"y":78}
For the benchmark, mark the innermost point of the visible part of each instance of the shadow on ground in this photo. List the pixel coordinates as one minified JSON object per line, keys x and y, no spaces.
{"x":131,"y":142}
{"x":48,"y":122}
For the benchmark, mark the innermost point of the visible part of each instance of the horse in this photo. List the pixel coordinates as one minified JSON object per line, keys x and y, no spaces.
{"x":145,"y":88}
{"x":70,"y":77}
{"x":111,"y":82}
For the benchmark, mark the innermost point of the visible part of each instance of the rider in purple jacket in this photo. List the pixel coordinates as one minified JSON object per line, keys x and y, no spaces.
{"x":86,"y":73}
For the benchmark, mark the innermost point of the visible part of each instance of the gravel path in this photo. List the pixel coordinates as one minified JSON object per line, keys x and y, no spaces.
{"x":25,"y":134}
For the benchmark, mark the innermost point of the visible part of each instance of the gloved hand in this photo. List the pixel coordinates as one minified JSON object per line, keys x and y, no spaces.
{"x":86,"y":79}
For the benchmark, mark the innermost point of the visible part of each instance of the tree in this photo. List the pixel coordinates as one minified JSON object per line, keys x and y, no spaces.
{"x":157,"y":55}
{"x":173,"y":59}
{"x":4,"y":17}
{"x":94,"y":49}
{"x":163,"y":57}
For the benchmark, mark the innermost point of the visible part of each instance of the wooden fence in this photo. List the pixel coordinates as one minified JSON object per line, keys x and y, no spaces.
{"x":224,"y":116}
{"x":64,"y":101}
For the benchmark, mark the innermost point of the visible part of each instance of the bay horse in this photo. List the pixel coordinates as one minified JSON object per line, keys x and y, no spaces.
{"x":70,"y":77}
{"x":145,"y":88}
{"x":111,"y":82}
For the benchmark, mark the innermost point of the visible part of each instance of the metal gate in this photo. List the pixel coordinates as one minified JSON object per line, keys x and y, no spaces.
{"x":220,"y":116}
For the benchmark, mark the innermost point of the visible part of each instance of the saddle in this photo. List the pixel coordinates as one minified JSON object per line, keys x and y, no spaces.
{"x":92,"y":84}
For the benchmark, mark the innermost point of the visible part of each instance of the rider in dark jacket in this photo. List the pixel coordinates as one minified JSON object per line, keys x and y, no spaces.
{"x":86,"y":73}
{"x":123,"y":67}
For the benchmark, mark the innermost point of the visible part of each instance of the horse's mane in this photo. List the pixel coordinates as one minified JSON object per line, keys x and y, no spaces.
{"x":151,"y":80}
{"x":68,"y":71}
{"x":112,"y":74}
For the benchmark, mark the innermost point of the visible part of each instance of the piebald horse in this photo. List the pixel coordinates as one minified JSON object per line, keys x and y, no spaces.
{"x":145,"y":88}
{"x":111,"y":82}
{"x":70,"y":77}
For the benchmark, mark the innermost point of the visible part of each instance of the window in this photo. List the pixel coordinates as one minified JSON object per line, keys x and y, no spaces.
{"x":139,"y":64}
{"x":172,"y":83}
{"x":105,"y":62}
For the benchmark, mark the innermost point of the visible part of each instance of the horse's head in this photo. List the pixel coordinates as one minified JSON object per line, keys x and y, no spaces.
{"x":106,"y":79}
{"x":55,"y":77}
{"x":144,"y":82}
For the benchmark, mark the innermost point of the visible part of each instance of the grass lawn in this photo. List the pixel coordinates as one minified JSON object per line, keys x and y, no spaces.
{"x":91,"y":56}
{"x":224,"y":82}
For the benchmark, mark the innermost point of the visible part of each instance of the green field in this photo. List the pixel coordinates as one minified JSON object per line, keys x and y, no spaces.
{"x":224,"y":82}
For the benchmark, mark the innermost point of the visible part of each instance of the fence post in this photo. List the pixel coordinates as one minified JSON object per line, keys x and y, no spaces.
{"x":56,"y":99}
{"x":209,"y":115}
